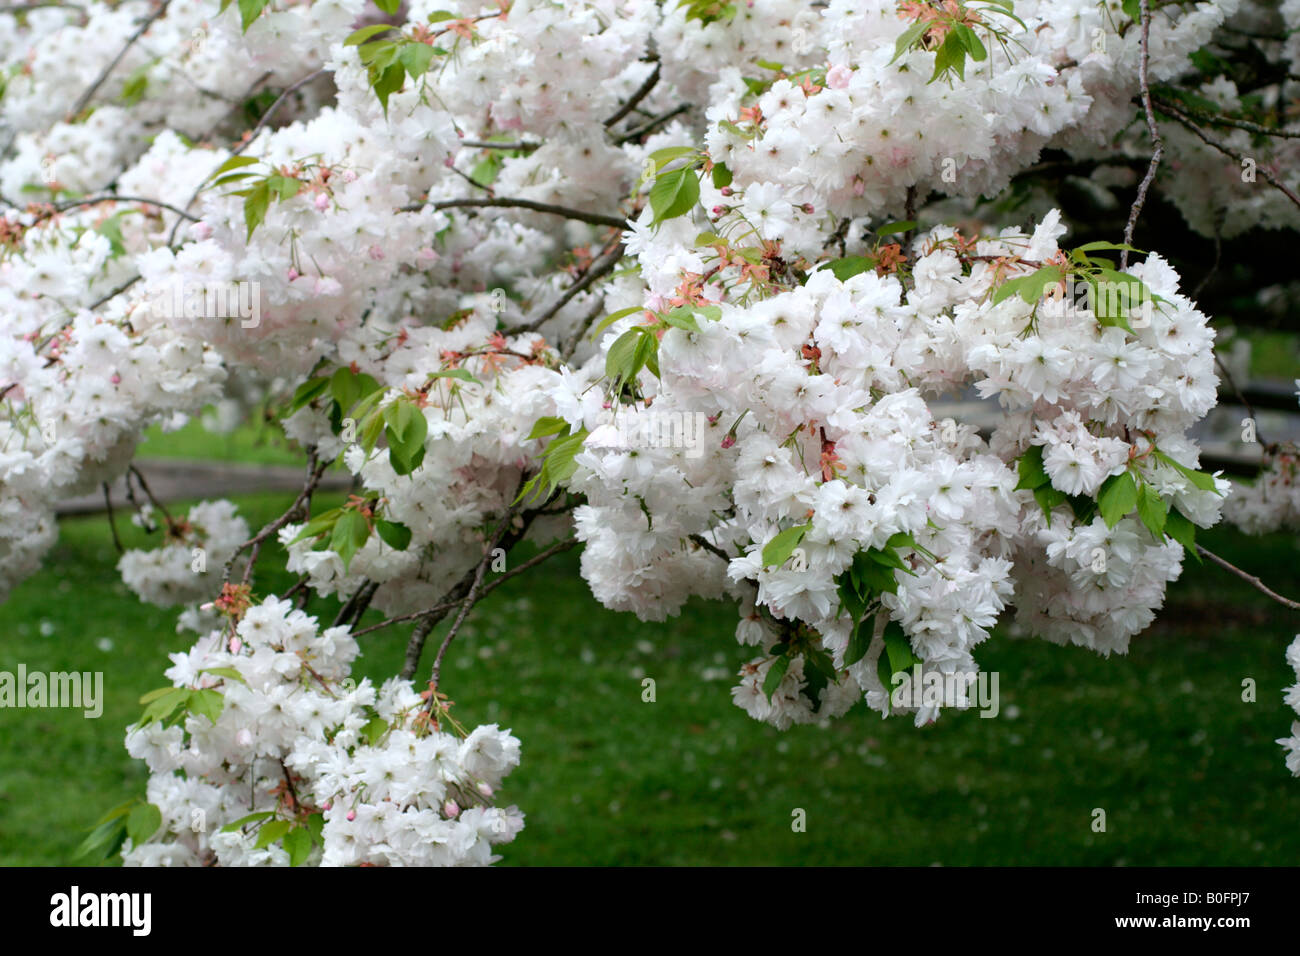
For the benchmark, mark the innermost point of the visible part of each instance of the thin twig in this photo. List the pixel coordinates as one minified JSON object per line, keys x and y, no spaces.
{"x":595,"y":218}
{"x":518,"y":146}
{"x":95,"y":200}
{"x":1249,"y":578}
{"x":1263,"y":170}
{"x":653,"y":124}
{"x":445,"y":606}
{"x":642,"y":92}
{"x":112,"y":520}
{"x":99,"y":80}
{"x":315,"y":469}
{"x":1159,"y":146}
{"x":598,"y":268}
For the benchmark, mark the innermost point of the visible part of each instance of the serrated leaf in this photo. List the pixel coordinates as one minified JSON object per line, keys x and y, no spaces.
{"x":207,"y":703}
{"x":775,"y":673}
{"x":270,"y":832}
{"x":674,"y":194}
{"x":1030,"y":468}
{"x":394,"y":534}
{"x":297,"y":843}
{"x":1152,"y":510}
{"x":777,"y":551}
{"x":229,"y":673}
{"x":547,"y":425}
{"x":350,"y":534}
{"x":859,"y":643}
{"x":908,"y":38}
{"x":358,"y":37}
{"x":243,"y":821}
{"x":1117,"y":497}
{"x":1178,"y":527}
{"x":846,"y":268}
{"x":143,"y":823}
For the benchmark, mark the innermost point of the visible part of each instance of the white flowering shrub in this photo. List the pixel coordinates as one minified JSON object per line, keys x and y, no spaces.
{"x":677,"y":281}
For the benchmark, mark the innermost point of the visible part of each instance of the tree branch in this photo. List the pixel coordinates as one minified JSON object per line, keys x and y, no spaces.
{"x":1250,"y":579}
{"x":1152,"y":128}
{"x":594,"y":218}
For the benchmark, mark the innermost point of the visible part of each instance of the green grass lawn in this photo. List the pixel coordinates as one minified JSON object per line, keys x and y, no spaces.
{"x":1161,"y":740}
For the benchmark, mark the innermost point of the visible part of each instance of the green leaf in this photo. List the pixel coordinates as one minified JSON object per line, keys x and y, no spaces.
{"x":846,"y":268}
{"x":721,"y":175}
{"x":243,"y":821}
{"x":234,"y":162}
{"x":775,"y":673}
{"x":898,"y":648}
{"x":859,"y":643}
{"x":1030,"y":288}
{"x":1048,"y":498}
{"x":1178,"y":527}
{"x":620,"y":359}
{"x":318,"y":525}
{"x":358,"y":37}
{"x":394,"y":534}
{"x":613,"y":317}
{"x":1133,"y":9}
{"x":459,"y":373}
{"x":270,"y":832}
{"x":374,"y":729}
{"x":389,"y":81}
{"x":849,"y":599}
{"x":250,"y":10}
{"x":297,"y":843}
{"x":547,"y":425}
{"x":104,"y":840}
{"x":1030,"y":467}
{"x":155,"y":694}
{"x":1152,"y":510}
{"x":674,"y":194}
{"x":316,"y":827}
{"x":350,"y":533}
{"x":1200,"y":479}
{"x":308,"y":392}
{"x":406,"y":432}
{"x":777,"y":551}
{"x":388,"y":6}
{"x":908,"y":38}
{"x":121,"y":810}
{"x":229,"y":673}
{"x":682,"y":318}
{"x":970,"y":39}
{"x":143,"y":823}
{"x":1117,"y":497}
{"x":207,"y":703}
{"x":891,"y":228}
{"x":416,"y":57}
{"x":256,"y":202}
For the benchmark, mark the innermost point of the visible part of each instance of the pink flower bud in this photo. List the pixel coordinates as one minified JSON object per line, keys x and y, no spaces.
{"x":293,"y":273}
{"x":322,"y":202}
{"x":116,"y":379}
{"x":352,"y":815}
{"x":450,"y":809}
{"x":728,"y":441}
{"x":376,"y":253}
{"x":484,"y":788}
{"x":235,"y":645}
{"x":726,"y":190}
{"x":837,"y":77}
{"x":808,"y":208}
{"x":716,"y":210}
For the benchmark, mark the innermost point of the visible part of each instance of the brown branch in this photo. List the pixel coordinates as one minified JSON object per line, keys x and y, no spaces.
{"x":1250,"y":579}
{"x":653,"y":124}
{"x":488,"y":588}
{"x":1152,"y":128}
{"x":642,"y":92}
{"x":594,"y":218}
{"x":103,"y":75}
{"x":599,"y":267}
{"x":315,"y":469}
{"x":1269,"y":177}
{"x":112,"y":520}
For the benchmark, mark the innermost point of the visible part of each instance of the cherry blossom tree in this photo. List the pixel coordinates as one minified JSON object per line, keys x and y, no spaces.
{"x":679,"y":282}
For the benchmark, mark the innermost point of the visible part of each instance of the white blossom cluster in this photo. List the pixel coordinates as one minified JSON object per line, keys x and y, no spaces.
{"x":388,"y":247}
{"x":295,"y":737}
{"x":175,"y":572}
{"x":1292,"y":697}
